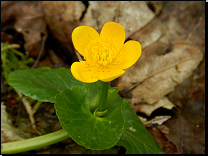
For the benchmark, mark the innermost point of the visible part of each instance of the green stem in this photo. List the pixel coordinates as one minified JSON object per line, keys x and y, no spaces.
{"x":37,"y":105}
{"x":34,"y":143}
{"x":103,"y":97}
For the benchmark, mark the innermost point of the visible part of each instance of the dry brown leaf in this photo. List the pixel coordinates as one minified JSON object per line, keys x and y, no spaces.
{"x":156,"y":120}
{"x":181,"y":17}
{"x":28,"y":19}
{"x":31,"y":24}
{"x":187,"y":129}
{"x":8,"y":132}
{"x":143,"y":119}
{"x":9,"y":10}
{"x":197,"y":36}
{"x":149,"y":34}
{"x":161,"y":73}
{"x":188,"y":123}
{"x":148,"y":109}
{"x":100,"y":12}
{"x":147,"y":66}
{"x":155,"y":6}
{"x":163,"y":129}
{"x":62,"y":17}
{"x":131,"y":15}
{"x":168,"y":146}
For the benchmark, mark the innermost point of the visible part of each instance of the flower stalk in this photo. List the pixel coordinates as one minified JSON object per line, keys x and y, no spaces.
{"x":103,"y":97}
{"x":34,"y":143}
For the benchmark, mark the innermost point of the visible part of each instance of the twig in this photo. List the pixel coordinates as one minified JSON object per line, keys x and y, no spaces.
{"x":29,"y":111}
{"x":78,"y":56}
{"x":19,"y":110}
{"x":40,"y":53}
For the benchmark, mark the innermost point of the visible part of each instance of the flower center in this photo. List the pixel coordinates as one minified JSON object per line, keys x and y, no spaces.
{"x":102,"y":55}
{"x":99,"y":53}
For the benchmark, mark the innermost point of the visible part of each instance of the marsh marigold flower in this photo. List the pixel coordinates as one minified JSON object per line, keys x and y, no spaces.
{"x":106,"y":55}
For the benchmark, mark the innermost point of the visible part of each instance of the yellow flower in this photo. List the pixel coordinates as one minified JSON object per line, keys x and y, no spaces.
{"x":105,"y":55}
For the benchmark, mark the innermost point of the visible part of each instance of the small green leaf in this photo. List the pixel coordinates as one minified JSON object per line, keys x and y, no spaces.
{"x":100,"y":113}
{"x":72,"y":108}
{"x":94,"y":102}
{"x":112,"y":95}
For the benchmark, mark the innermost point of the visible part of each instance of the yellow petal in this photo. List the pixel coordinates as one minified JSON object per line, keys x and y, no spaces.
{"x":82,"y":72}
{"x":81,"y":36}
{"x":113,"y":34}
{"x":129,"y":54}
{"x":110,"y":74}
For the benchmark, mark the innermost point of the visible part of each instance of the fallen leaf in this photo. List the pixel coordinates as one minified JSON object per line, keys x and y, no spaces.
{"x":148,"y":109}
{"x":157,"y":120}
{"x":181,"y":17}
{"x":28,"y":19}
{"x":62,"y":17}
{"x":163,"y":129}
{"x":8,"y":11}
{"x":31,"y":24}
{"x":158,"y":74}
{"x":168,"y":146}
{"x":149,"y":34}
{"x":131,"y":15}
{"x":188,"y":121}
{"x":8,"y":132}
{"x":187,"y":129}
{"x":197,"y":89}
{"x":197,"y":36}
{"x":156,"y":6}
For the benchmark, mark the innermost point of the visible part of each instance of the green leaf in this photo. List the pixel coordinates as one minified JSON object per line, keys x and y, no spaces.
{"x":136,"y":138}
{"x":72,"y":108}
{"x":45,"y":83}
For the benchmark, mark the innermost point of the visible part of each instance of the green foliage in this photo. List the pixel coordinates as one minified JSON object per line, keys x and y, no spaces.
{"x":42,"y":84}
{"x":72,"y":100}
{"x":10,"y":60}
{"x":136,"y":138}
{"x":92,"y":132}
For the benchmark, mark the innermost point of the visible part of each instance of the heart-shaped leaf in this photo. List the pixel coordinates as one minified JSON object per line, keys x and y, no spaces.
{"x":92,"y":132}
{"x":44,"y":83}
{"x":41,"y":84}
